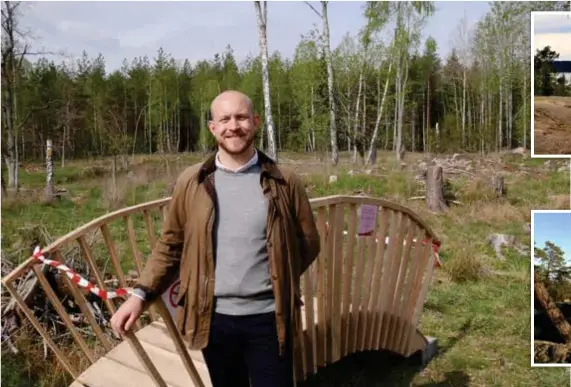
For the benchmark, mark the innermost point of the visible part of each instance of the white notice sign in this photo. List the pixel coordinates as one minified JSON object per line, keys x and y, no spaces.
{"x":169,"y":298}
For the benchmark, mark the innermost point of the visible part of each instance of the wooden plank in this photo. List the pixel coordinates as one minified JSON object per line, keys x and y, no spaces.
{"x":156,"y":334}
{"x":106,"y":373}
{"x":347,"y":277}
{"x":168,"y":364}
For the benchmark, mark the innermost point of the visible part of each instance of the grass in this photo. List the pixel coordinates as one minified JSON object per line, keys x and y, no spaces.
{"x":478,"y":306}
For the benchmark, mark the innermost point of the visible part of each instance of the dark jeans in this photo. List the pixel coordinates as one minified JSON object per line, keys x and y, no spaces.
{"x":244,"y":349}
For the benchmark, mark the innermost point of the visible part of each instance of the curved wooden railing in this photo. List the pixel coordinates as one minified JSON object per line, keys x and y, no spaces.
{"x":363,"y":292}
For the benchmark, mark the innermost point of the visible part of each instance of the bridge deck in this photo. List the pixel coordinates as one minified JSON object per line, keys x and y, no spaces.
{"x":121,"y":367}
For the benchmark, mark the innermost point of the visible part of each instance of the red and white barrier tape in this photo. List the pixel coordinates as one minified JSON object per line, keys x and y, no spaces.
{"x":77,"y":279}
{"x":121,"y":292}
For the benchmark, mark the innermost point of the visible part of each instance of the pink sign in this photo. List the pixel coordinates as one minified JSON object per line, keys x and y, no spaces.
{"x":368,"y":219}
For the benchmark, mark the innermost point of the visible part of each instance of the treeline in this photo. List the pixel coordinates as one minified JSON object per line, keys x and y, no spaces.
{"x":475,"y":99}
{"x":546,"y":81}
{"x":553,"y":271}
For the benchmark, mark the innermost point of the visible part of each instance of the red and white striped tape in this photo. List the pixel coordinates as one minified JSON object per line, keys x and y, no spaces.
{"x":121,"y":292}
{"x":79,"y":280}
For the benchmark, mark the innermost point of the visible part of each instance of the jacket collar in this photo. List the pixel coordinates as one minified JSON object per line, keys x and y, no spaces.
{"x":267,"y":165}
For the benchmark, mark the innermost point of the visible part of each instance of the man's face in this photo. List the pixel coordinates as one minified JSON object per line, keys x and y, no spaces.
{"x":233,"y":123}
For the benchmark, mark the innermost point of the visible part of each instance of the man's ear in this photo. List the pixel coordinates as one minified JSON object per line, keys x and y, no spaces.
{"x":257,"y":120}
{"x":211,"y":126}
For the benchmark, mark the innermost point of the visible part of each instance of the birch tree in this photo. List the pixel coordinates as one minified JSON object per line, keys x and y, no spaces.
{"x":262,"y":14}
{"x":328,"y":60}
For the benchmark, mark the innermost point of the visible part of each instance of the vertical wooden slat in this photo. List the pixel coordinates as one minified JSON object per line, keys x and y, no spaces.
{"x":179,"y":344}
{"x":63,"y":314}
{"x":150,"y":230}
{"x":416,"y":290}
{"x":364,"y":302}
{"x":309,"y":321}
{"x":137,"y":256}
{"x":130,"y":336}
{"x":115,"y":261}
{"x":356,"y":288}
{"x":94,"y":271}
{"x":411,"y":277}
{"x":348,"y":276}
{"x":133,"y":243}
{"x":425,"y":281}
{"x":330,"y":266}
{"x":393,"y":271}
{"x":376,"y":279}
{"x":30,"y":315}
{"x":144,"y":358}
{"x":402,"y":284}
{"x":397,"y":321}
{"x":336,"y":285}
{"x":385,"y":275}
{"x":320,"y":268}
{"x":82,"y":303}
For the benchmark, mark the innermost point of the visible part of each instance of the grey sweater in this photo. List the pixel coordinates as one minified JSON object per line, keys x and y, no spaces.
{"x":242,"y":275}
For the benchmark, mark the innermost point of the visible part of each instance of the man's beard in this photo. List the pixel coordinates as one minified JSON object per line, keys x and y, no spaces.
{"x":243,"y":149}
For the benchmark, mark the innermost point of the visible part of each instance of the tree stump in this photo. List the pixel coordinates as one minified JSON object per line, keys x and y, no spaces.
{"x":498,"y":184}
{"x":435,"y":189}
{"x":49,"y":172}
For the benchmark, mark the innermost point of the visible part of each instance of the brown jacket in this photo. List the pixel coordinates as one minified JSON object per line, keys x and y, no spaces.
{"x":186,"y":243}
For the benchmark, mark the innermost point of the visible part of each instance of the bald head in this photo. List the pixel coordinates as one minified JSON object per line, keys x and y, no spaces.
{"x":233,"y":123}
{"x":230,"y":97}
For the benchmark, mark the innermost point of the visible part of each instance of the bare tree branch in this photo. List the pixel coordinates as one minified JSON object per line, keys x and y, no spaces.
{"x":314,"y":10}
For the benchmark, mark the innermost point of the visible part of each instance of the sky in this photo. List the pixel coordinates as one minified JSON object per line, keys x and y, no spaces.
{"x":198,"y":30}
{"x":554,"y":227}
{"x":553,"y":30}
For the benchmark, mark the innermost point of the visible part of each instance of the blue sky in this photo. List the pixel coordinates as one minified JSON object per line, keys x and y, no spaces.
{"x":554,"y":227}
{"x":198,"y":30}
{"x":553,"y":30}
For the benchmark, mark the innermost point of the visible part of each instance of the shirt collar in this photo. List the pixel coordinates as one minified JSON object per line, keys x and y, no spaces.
{"x":253,"y":161}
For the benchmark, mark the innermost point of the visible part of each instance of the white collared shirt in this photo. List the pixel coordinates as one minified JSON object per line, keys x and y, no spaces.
{"x":250,"y":163}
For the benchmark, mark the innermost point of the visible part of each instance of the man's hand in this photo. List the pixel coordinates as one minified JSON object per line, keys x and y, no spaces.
{"x":126,"y":315}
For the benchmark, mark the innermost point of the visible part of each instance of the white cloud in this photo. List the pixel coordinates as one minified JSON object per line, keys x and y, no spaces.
{"x":559,"y":42}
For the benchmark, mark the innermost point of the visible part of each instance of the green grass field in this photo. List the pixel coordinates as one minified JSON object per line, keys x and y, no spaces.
{"x":478,"y":305}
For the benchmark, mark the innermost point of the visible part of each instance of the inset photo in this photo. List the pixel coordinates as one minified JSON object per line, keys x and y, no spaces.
{"x":551,"y":283}
{"x":551,"y":86}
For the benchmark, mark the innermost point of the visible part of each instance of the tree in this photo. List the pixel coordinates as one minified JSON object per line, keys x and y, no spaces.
{"x":553,"y":271}
{"x":263,"y":40}
{"x":544,"y":71}
{"x":330,"y":80}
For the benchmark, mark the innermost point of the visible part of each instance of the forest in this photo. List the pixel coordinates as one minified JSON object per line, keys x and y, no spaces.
{"x":327,"y":112}
{"x":364,"y":94}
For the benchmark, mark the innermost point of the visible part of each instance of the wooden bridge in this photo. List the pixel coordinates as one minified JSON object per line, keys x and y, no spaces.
{"x":365,"y":291}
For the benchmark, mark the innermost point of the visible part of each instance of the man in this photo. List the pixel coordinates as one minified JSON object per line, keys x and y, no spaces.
{"x":239,"y":233}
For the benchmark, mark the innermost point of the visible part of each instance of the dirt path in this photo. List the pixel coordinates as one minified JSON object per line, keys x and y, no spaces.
{"x":552,"y":125}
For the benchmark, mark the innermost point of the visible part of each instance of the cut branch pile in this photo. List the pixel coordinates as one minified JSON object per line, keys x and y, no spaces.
{"x":37,"y":300}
